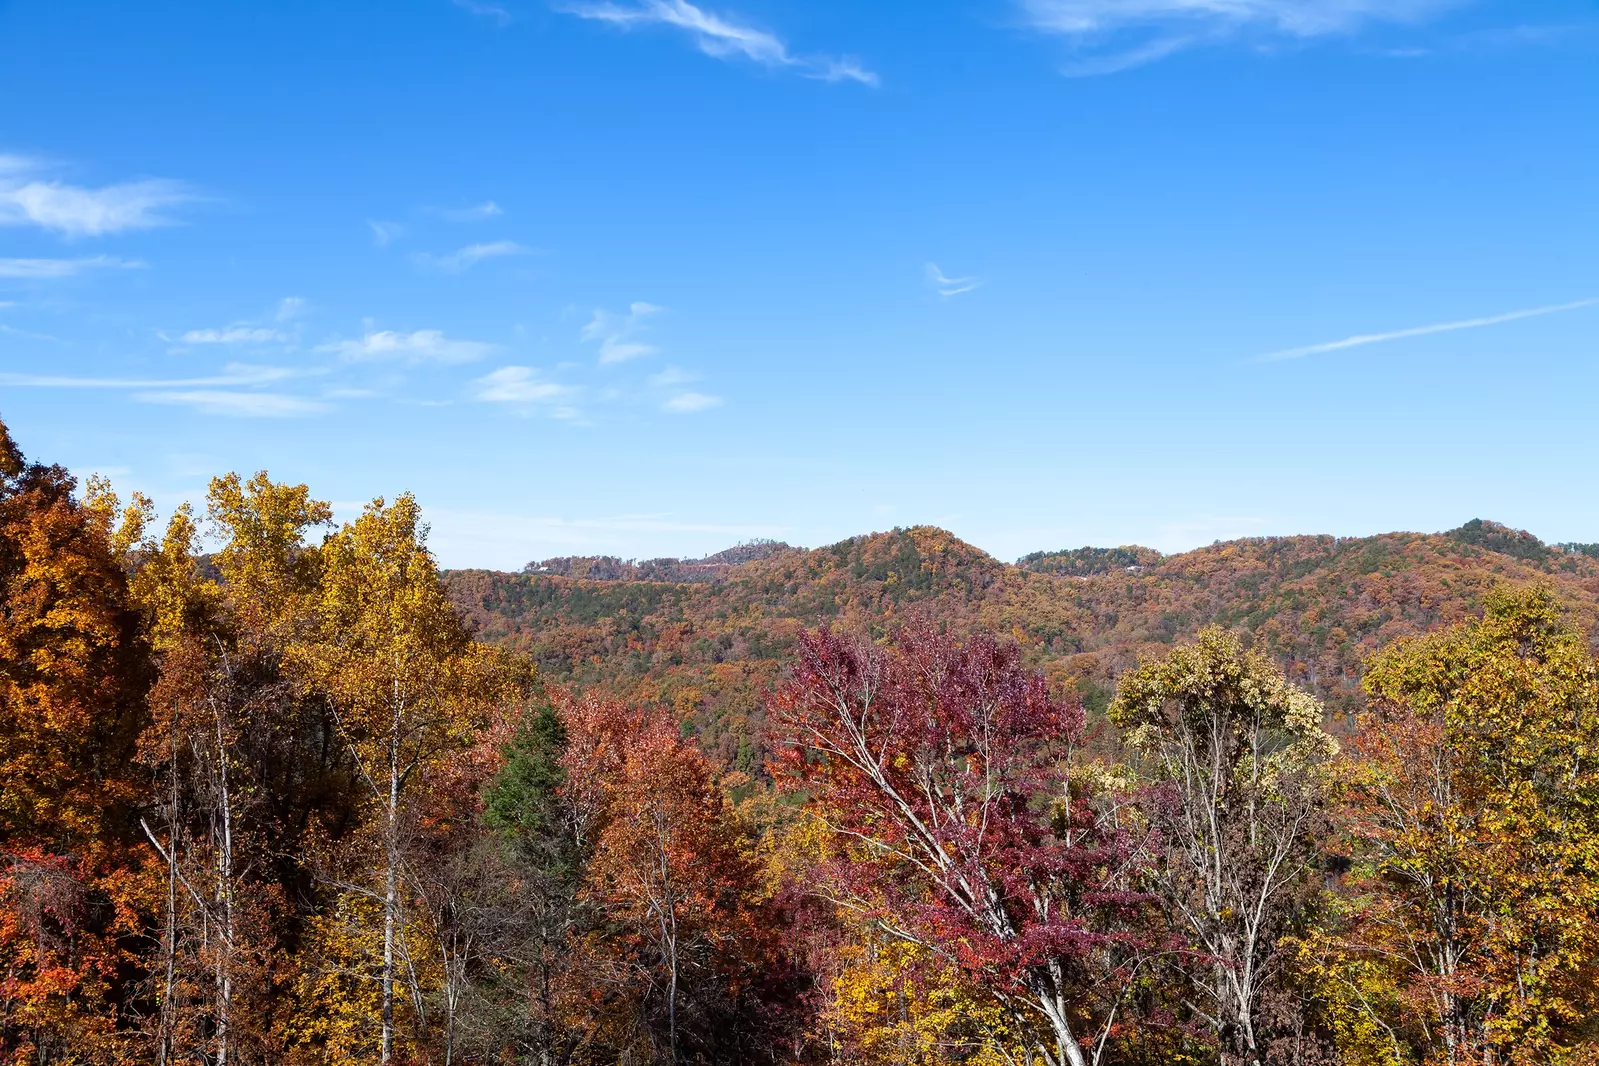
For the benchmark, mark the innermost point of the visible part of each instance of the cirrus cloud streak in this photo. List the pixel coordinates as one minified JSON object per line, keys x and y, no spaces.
{"x":233,"y":374}
{"x":724,"y":38}
{"x":235,"y":335}
{"x":1421,"y":331}
{"x":46,"y":269}
{"x":236,"y":404}
{"x":471,"y":255}
{"x":420,"y":346}
{"x":1114,"y":35}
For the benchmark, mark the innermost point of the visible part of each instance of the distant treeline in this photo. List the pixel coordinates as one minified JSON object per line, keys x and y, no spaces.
{"x":612,"y":568}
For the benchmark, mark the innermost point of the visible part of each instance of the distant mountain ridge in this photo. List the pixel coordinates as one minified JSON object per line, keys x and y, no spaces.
{"x":612,"y":568}
{"x":709,"y":635}
{"x":1072,"y":562}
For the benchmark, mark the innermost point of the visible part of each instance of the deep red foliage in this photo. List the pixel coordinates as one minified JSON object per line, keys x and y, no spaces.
{"x":966,"y":822}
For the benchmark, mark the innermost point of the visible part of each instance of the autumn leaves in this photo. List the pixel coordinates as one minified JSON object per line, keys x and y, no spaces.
{"x":270,"y":802}
{"x":1221,"y":882}
{"x":1473,"y":817}
{"x":265,"y":799}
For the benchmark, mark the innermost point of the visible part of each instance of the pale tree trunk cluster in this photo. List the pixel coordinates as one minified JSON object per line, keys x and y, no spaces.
{"x":662,"y":894}
{"x":1438,"y":955}
{"x":391,"y":874}
{"x":399,"y":760}
{"x":1235,"y":753}
{"x":202,"y":872}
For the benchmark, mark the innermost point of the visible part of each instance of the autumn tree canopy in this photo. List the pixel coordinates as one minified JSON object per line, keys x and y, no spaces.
{"x":268,"y":795}
{"x":1474,"y":815}
{"x":1234,"y":754}
{"x":968,"y":826}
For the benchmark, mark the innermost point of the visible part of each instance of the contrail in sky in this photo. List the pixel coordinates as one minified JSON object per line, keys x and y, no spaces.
{"x":1421,"y":331}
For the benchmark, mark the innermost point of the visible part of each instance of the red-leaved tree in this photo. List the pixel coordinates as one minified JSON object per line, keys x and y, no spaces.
{"x":967,"y":821}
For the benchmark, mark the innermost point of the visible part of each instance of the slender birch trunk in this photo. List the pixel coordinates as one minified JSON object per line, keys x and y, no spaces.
{"x":1068,"y":1052}
{"x":169,"y":936}
{"x":224,"y":971}
{"x":666,"y":911}
{"x":391,"y":884}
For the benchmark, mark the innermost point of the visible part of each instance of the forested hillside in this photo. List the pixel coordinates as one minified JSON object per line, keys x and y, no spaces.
{"x":711,"y":644}
{"x":275,"y":790}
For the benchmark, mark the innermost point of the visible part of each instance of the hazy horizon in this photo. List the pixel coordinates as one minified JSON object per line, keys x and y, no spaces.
{"x":1005,"y":559}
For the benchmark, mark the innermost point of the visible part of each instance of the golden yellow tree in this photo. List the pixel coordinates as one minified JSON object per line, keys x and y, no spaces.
{"x":1236,"y":755}
{"x":406,"y":685}
{"x":221,"y":693}
{"x":1475,"y":812}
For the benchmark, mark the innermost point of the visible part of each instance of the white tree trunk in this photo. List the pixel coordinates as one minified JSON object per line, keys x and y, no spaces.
{"x":224,"y":971}
{"x":391,"y":892}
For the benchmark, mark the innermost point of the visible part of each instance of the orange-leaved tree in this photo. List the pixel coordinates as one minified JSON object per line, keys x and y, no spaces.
{"x":232,"y":742}
{"x":682,"y":918}
{"x":73,"y":675}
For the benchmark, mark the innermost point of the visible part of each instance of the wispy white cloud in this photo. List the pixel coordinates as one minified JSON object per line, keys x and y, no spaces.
{"x":486,"y":10}
{"x":687,"y":403}
{"x":236,"y":404}
{"x":1499,"y":38}
{"x":1421,"y":331}
{"x":519,"y":384}
{"x":27,"y":198}
{"x":469,"y":256}
{"x":384,"y":233}
{"x":424,"y":345}
{"x":949,"y":286}
{"x":1299,"y":18}
{"x":1117,"y":61}
{"x":290,"y":307}
{"x":474,"y":213}
{"x":615,"y":333}
{"x":672,"y":375}
{"x":845,"y":68}
{"x":13,"y":331}
{"x":1118,"y":34}
{"x":44,"y":269}
{"x":232,"y":392}
{"x":235,"y":335}
{"x":724,"y":37}
{"x":233,"y":375}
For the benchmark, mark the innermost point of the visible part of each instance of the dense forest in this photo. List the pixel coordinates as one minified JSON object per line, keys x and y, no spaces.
{"x":278,"y":790}
{"x":719,"y":634}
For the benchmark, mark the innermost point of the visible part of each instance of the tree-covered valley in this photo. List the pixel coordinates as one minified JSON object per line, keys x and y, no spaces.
{"x":276,"y":789}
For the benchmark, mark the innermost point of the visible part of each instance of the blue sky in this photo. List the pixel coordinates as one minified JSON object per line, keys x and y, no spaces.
{"x":647,"y":277}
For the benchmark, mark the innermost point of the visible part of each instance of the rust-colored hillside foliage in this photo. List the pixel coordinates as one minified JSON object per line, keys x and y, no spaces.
{"x":1317,"y":605}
